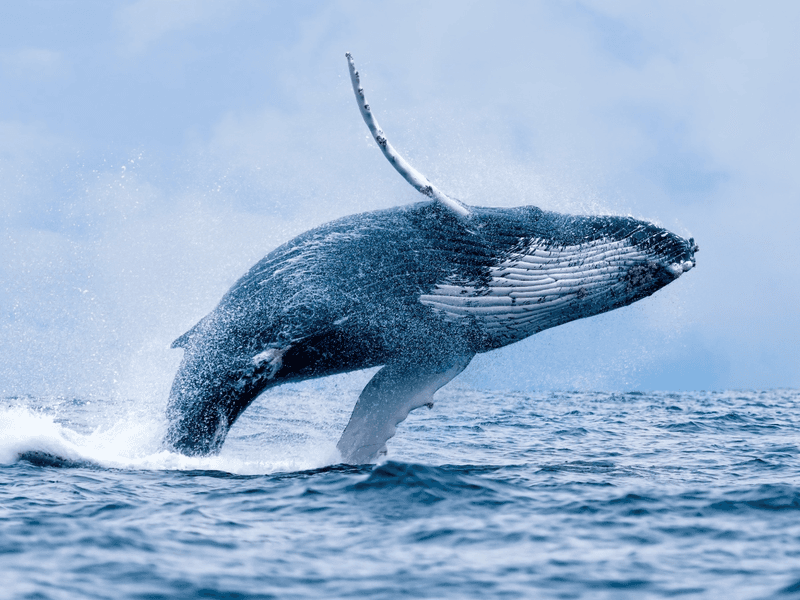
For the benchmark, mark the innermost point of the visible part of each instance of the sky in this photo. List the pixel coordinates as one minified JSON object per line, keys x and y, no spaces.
{"x":152,"y":151}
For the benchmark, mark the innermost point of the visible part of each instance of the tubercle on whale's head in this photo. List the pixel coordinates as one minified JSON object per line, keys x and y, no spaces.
{"x":670,"y":252}
{"x":686,"y":261}
{"x":664,"y":257}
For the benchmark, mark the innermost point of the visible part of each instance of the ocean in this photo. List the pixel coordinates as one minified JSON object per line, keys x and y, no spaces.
{"x":488,"y":495}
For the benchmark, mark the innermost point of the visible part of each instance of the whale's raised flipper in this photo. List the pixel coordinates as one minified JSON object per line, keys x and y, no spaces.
{"x":409,"y":173}
{"x":393,"y":392}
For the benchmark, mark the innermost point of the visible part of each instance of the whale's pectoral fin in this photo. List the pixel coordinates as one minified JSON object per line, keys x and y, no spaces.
{"x":393,"y":392}
{"x":409,"y":173}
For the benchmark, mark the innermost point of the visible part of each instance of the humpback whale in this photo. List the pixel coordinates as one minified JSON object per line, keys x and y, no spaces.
{"x":418,"y":290}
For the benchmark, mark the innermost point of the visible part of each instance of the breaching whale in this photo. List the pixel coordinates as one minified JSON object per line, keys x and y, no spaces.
{"x":418,"y":290}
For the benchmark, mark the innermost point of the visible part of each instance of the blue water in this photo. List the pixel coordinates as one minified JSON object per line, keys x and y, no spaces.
{"x":488,"y":495}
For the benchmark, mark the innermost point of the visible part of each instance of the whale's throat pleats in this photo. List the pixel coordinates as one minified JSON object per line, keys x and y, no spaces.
{"x":539,"y":286}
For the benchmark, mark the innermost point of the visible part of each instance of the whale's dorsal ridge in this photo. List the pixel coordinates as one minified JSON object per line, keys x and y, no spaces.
{"x":409,"y":173}
{"x":181,"y":341}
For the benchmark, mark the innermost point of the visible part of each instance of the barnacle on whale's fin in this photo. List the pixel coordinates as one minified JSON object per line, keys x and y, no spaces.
{"x":409,"y":173}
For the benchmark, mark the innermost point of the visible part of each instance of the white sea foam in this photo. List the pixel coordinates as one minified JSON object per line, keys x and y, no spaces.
{"x":289,"y":429}
{"x":25,"y":430}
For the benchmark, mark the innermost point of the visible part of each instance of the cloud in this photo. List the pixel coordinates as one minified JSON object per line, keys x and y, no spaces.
{"x":144,"y":22}
{"x":681,"y":112}
{"x":34,"y":63}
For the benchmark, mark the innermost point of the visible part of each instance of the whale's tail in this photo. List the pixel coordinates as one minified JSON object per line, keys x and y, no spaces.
{"x":205,"y":399}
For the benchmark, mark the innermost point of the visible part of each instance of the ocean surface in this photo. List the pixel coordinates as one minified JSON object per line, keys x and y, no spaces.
{"x":488,"y":495}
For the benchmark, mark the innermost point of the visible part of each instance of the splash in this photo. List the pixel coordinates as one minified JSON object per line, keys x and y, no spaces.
{"x":294,"y":430}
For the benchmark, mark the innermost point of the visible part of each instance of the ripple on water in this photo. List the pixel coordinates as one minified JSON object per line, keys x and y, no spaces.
{"x":547,"y":495}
